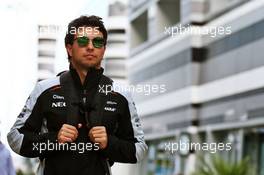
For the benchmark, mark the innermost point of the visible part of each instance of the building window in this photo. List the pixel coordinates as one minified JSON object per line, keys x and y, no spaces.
{"x":139,"y":30}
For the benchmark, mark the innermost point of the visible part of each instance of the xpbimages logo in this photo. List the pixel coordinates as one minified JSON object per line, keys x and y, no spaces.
{"x":55,"y":146}
{"x":212,"y":31}
{"x":210,"y":147}
{"x":145,"y":89}
{"x":54,"y":30}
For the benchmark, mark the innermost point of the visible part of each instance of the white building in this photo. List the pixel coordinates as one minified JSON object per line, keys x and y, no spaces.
{"x":48,"y":36}
{"x":214,"y":87}
{"x":117,"y":42}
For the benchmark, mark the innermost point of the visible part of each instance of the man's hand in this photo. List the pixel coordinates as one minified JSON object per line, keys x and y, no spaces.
{"x":68,"y":133}
{"x":98,"y":135}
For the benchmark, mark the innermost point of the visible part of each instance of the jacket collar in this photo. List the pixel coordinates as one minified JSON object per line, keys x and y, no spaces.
{"x":91,"y":80}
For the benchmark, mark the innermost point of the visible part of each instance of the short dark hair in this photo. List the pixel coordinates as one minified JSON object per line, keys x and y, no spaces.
{"x":87,"y":21}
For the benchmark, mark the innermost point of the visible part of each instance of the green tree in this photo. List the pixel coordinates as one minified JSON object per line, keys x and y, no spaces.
{"x":216,"y":165}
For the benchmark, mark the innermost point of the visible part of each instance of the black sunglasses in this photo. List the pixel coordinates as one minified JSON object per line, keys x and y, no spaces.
{"x":98,"y":42}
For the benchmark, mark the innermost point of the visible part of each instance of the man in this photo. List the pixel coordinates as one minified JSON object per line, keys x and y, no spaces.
{"x":6,"y":163}
{"x":107,"y":124}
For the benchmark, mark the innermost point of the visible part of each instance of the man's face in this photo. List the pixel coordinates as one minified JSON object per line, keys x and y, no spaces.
{"x":87,"y":55}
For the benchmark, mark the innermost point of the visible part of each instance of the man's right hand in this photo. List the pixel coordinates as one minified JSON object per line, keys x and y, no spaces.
{"x":68,"y":133}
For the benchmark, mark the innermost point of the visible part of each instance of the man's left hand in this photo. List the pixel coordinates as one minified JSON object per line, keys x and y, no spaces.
{"x":98,"y":135}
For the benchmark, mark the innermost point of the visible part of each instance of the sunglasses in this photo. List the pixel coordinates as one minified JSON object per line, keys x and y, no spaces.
{"x":98,"y":42}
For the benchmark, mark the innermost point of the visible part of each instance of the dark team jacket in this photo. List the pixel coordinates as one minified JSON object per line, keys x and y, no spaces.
{"x":34,"y":133}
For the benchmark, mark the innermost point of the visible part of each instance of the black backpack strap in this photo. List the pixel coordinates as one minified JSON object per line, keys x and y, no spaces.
{"x":71,"y":97}
{"x":95,"y":116}
{"x":104,"y":87}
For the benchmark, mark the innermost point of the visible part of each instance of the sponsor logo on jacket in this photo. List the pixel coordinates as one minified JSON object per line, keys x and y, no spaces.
{"x":59,"y":104}
{"x":111,"y":109}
